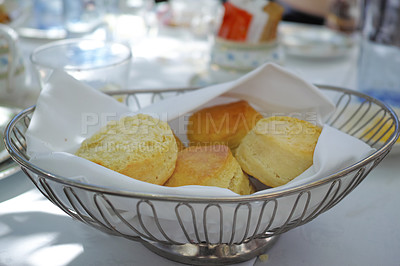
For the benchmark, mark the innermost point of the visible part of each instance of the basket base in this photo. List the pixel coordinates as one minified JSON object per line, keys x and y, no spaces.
{"x":202,"y":254}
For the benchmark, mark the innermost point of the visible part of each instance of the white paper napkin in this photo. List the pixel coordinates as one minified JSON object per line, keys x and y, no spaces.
{"x":270,"y":87}
{"x":68,"y":111}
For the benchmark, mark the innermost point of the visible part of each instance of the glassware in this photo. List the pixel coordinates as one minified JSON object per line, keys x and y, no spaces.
{"x":343,"y":15}
{"x":246,"y":39}
{"x":379,"y":59}
{"x":82,"y":16}
{"x":103,"y":65}
{"x":47,"y":15}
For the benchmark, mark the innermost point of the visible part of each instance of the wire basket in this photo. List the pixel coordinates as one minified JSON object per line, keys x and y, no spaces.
{"x":214,"y":230}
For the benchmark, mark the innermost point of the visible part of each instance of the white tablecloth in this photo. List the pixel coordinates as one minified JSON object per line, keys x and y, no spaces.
{"x":363,"y":229}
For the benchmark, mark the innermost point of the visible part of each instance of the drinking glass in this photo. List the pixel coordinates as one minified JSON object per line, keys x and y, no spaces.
{"x":82,"y":16}
{"x":103,"y":65}
{"x":379,"y":58}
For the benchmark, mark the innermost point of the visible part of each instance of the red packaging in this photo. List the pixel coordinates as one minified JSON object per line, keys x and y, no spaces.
{"x":235,"y":23}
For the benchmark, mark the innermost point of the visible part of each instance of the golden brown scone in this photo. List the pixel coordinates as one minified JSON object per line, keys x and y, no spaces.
{"x":278,"y":149}
{"x":222,"y":124}
{"x":210,"y":166}
{"x":140,"y":146}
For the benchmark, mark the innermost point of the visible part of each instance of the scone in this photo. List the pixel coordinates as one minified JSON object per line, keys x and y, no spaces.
{"x":210,"y":166}
{"x":278,"y":149}
{"x":140,"y":146}
{"x":223,"y":124}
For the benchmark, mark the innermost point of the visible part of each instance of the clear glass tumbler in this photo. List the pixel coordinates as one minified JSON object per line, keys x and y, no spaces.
{"x":379,"y":58}
{"x":103,"y":65}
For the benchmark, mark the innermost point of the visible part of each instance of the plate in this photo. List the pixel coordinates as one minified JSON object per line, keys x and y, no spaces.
{"x":313,"y":41}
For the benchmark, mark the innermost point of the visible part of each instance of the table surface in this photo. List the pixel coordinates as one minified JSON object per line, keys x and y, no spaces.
{"x":363,"y":229}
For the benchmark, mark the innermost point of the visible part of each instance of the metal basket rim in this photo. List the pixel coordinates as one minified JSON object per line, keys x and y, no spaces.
{"x":169,"y":197}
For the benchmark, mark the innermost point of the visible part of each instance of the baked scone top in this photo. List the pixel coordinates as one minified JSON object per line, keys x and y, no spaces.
{"x":138,"y":146}
{"x":210,"y":166}
{"x":222,"y":124}
{"x":278,"y":149}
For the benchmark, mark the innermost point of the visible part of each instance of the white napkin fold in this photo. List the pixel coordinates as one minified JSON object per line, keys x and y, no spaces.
{"x":270,"y":87}
{"x":68,"y":111}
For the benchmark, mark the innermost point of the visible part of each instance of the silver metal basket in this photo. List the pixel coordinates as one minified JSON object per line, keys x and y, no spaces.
{"x":214,"y":230}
